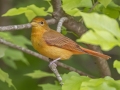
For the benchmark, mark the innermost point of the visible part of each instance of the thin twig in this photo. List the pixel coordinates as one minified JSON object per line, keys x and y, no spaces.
{"x":14,"y":27}
{"x":93,"y":6}
{"x":2,"y":41}
{"x":53,"y":67}
{"x":61,"y":21}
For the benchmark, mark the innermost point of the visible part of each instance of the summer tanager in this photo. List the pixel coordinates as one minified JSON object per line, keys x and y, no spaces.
{"x":54,"y":45}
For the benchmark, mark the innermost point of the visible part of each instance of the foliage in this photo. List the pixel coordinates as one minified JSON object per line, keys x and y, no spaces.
{"x":76,"y":82}
{"x":29,"y":11}
{"x":116,"y":65}
{"x":72,"y":81}
{"x":10,"y":55}
{"x":39,"y":74}
{"x":103,"y":31}
{"x":5,"y":78}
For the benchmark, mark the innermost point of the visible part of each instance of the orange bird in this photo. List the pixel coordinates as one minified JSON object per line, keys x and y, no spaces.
{"x":54,"y":45}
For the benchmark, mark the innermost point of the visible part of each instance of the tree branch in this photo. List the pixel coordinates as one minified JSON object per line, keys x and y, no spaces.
{"x":23,"y":26}
{"x":15,"y":27}
{"x":60,"y":23}
{"x":2,"y":41}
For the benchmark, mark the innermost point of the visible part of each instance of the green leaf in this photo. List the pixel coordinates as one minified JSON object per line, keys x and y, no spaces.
{"x":69,"y":75}
{"x":6,"y":36}
{"x":106,"y":83}
{"x":20,"y":40}
{"x":5,"y":78}
{"x":2,"y":50}
{"x":64,"y":31}
{"x":105,"y":2}
{"x":50,"y":87}
{"x":67,"y":4}
{"x":73,"y":82}
{"x":38,"y":11}
{"x":101,"y":22}
{"x":50,"y":10}
{"x":71,"y":7}
{"x":103,"y":38}
{"x":39,"y":74}
{"x":15,"y":55}
{"x":11,"y":54}
{"x":106,"y":32}
{"x":10,"y":63}
{"x":73,"y":12}
{"x":85,"y":3}
{"x":116,"y":65}
{"x":111,"y":12}
{"x":30,"y":11}
{"x":30,"y":15}
{"x":16,"y":39}
{"x":15,"y":11}
{"x":114,"y":6}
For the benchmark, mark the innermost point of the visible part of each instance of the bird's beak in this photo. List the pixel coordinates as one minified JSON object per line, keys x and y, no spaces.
{"x":33,"y":23}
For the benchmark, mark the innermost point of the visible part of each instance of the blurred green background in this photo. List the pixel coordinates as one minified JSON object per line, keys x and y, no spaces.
{"x":83,"y":62}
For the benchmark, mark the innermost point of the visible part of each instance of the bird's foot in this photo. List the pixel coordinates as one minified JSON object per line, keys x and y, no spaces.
{"x":53,"y":62}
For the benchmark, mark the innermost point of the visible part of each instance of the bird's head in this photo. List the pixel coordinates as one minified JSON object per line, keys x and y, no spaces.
{"x":39,"y":22}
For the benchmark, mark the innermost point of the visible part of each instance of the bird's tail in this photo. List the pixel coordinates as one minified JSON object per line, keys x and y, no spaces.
{"x":94,"y":53}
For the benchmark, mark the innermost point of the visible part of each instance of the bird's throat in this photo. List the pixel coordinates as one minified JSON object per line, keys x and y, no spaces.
{"x":37,"y":31}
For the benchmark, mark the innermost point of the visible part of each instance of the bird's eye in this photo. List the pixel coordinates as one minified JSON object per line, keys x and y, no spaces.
{"x":41,"y":22}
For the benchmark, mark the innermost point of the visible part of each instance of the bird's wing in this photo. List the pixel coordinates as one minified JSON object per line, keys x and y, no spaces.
{"x":54,"y":38}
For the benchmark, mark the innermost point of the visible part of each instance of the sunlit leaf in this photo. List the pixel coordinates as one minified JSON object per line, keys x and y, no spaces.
{"x":50,"y":10}
{"x":103,"y":38}
{"x":5,"y":78}
{"x":15,"y":11}
{"x":50,"y":87}
{"x":39,"y":74}
{"x":38,"y":11}
{"x":73,"y":12}
{"x":73,"y":82}
{"x":85,"y":3}
{"x":67,"y":4}
{"x":30,"y":11}
{"x":30,"y":15}
{"x":105,"y":2}
{"x":116,"y":65}
{"x":101,"y":22}
{"x":71,"y":7}
{"x":106,"y":83}
{"x":69,"y":75}
{"x":106,"y":32}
